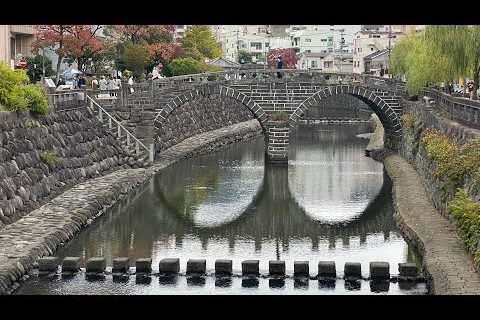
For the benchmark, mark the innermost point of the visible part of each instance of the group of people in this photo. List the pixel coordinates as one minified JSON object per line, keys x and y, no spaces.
{"x":469,"y":88}
{"x":78,"y":82}
{"x":110,"y":83}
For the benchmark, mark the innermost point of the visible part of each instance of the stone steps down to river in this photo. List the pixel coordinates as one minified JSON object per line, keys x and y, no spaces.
{"x":73,"y":146}
{"x":41,"y":232}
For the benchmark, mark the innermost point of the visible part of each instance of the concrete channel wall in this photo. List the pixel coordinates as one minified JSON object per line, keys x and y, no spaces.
{"x":418,"y":211}
{"x":43,"y":230}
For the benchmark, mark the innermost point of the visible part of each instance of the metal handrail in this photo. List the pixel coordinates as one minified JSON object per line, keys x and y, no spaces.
{"x":138,"y":143}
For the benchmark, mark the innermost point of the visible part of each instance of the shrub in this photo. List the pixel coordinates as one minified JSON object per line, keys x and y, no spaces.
{"x":9,"y":80}
{"x":29,"y":96}
{"x":407,"y":121}
{"x":466,"y":213}
{"x":279,"y":116}
{"x":49,"y":157}
{"x":183,"y":66}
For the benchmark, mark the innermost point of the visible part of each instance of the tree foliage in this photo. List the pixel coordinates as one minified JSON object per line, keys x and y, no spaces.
{"x":34,"y":67}
{"x":288,"y":55}
{"x":199,"y":43}
{"x":136,"y":58}
{"x":244,"y":57}
{"x":182,"y":66}
{"x":441,"y":53}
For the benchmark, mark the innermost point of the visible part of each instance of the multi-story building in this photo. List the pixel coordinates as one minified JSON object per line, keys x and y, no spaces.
{"x":310,"y":60}
{"x":180,"y":30}
{"x":15,"y":43}
{"x":256,"y":40}
{"x":370,"y":41}
{"x":321,"y":38}
{"x":338,"y":62}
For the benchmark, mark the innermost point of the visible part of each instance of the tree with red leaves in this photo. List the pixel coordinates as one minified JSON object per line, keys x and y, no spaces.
{"x":82,"y":44}
{"x":52,"y":36}
{"x":288,"y":55}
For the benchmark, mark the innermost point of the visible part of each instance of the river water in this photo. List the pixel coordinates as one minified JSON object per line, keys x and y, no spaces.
{"x":331,"y":203}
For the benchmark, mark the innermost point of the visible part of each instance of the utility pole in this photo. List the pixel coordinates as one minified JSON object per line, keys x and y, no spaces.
{"x":389,"y":47}
{"x":238,"y":30}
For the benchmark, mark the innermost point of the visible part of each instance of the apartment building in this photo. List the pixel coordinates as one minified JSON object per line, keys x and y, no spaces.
{"x":15,"y":43}
{"x":322,"y":38}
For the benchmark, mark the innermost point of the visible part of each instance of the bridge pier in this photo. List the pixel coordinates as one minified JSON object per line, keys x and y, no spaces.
{"x":277,"y":135}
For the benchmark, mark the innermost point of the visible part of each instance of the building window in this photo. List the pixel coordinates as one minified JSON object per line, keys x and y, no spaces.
{"x":256,"y":45}
{"x":314,"y":64}
{"x":267,"y":45}
{"x":376,"y":36}
{"x":308,"y":51}
{"x":12,"y":48}
{"x":323,"y":40}
{"x":308,"y":40}
{"x":371,"y":49}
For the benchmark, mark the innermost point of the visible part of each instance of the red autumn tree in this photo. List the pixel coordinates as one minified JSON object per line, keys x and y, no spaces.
{"x":288,"y":55}
{"x":52,"y":36}
{"x":82,"y":44}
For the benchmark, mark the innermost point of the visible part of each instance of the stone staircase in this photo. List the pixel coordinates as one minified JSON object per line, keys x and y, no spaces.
{"x":138,"y":154}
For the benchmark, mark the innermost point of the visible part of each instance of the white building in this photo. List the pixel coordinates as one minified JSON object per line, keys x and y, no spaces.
{"x":254,"y":39}
{"x":311,"y":60}
{"x":338,"y":62}
{"x":367,"y":42}
{"x":322,"y":38}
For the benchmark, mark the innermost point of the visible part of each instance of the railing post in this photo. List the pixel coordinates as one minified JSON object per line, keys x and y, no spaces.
{"x":128,"y":139}
{"x":137,"y":148}
{"x":119,"y":130}
{"x":109,"y":123}
{"x":100,"y":115}
{"x":151,"y":154}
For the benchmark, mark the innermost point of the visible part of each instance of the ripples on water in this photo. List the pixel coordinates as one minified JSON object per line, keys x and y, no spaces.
{"x":331,"y":203}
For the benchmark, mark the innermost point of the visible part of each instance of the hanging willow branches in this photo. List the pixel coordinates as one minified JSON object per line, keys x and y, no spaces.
{"x":441,"y":53}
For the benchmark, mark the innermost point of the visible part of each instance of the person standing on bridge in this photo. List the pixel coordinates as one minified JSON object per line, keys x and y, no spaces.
{"x":279,"y":66}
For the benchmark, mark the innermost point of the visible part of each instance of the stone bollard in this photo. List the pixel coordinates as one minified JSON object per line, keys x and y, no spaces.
{"x":301,"y":269}
{"x":143,"y":265}
{"x":353,"y":270}
{"x":121,"y":264}
{"x":48,"y":264}
{"x":250,"y":267}
{"x":71,"y":264}
{"x":379,"y":270}
{"x":407,"y":270}
{"x":223,"y":267}
{"x":169,"y":265}
{"x":327,"y":269}
{"x":96,"y":265}
{"x":196,"y":266}
{"x":276,"y":268}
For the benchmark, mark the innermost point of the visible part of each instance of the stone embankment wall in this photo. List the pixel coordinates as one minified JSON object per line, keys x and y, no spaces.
{"x":425,"y":117}
{"x":420,"y":202}
{"x":44,"y":229}
{"x":42,"y":156}
{"x":198,"y":116}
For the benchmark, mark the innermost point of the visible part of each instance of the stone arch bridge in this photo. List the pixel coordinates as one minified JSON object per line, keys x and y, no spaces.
{"x":277,"y":103}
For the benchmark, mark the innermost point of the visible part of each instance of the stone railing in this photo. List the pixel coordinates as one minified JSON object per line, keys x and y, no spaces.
{"x":271,"y":75}
{"x":463,"y":110}
{"x":65,"y":101}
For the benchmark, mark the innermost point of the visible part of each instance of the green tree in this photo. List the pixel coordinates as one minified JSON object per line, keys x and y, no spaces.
{"x":34,"y":68}
{"x":182,"y":66}
{"x":244,"y":57}
{"x":199,"y":43}
{"x":136,"y":59}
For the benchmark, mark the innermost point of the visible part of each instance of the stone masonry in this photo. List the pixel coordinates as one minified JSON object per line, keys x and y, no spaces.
{"x":44,"y":229}
{"x":73,"y":146}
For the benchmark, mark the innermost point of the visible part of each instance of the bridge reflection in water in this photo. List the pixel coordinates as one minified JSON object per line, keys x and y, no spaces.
{"x":331,"y":203}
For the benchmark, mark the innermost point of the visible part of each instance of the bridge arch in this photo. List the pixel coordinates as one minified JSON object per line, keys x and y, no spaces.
{"x":389,"y":118}
{"x":207,"y":90}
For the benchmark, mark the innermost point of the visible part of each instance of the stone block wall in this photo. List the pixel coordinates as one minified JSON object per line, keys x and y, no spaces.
{"x":278,"y":135}
{"x":198,"y":116}
{"x":424,"y":117}
{"x":41,"y":156}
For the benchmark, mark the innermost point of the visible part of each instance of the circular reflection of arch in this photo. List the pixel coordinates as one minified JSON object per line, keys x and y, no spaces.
{"x":334,"y":186}
{"x":211,"y":195}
